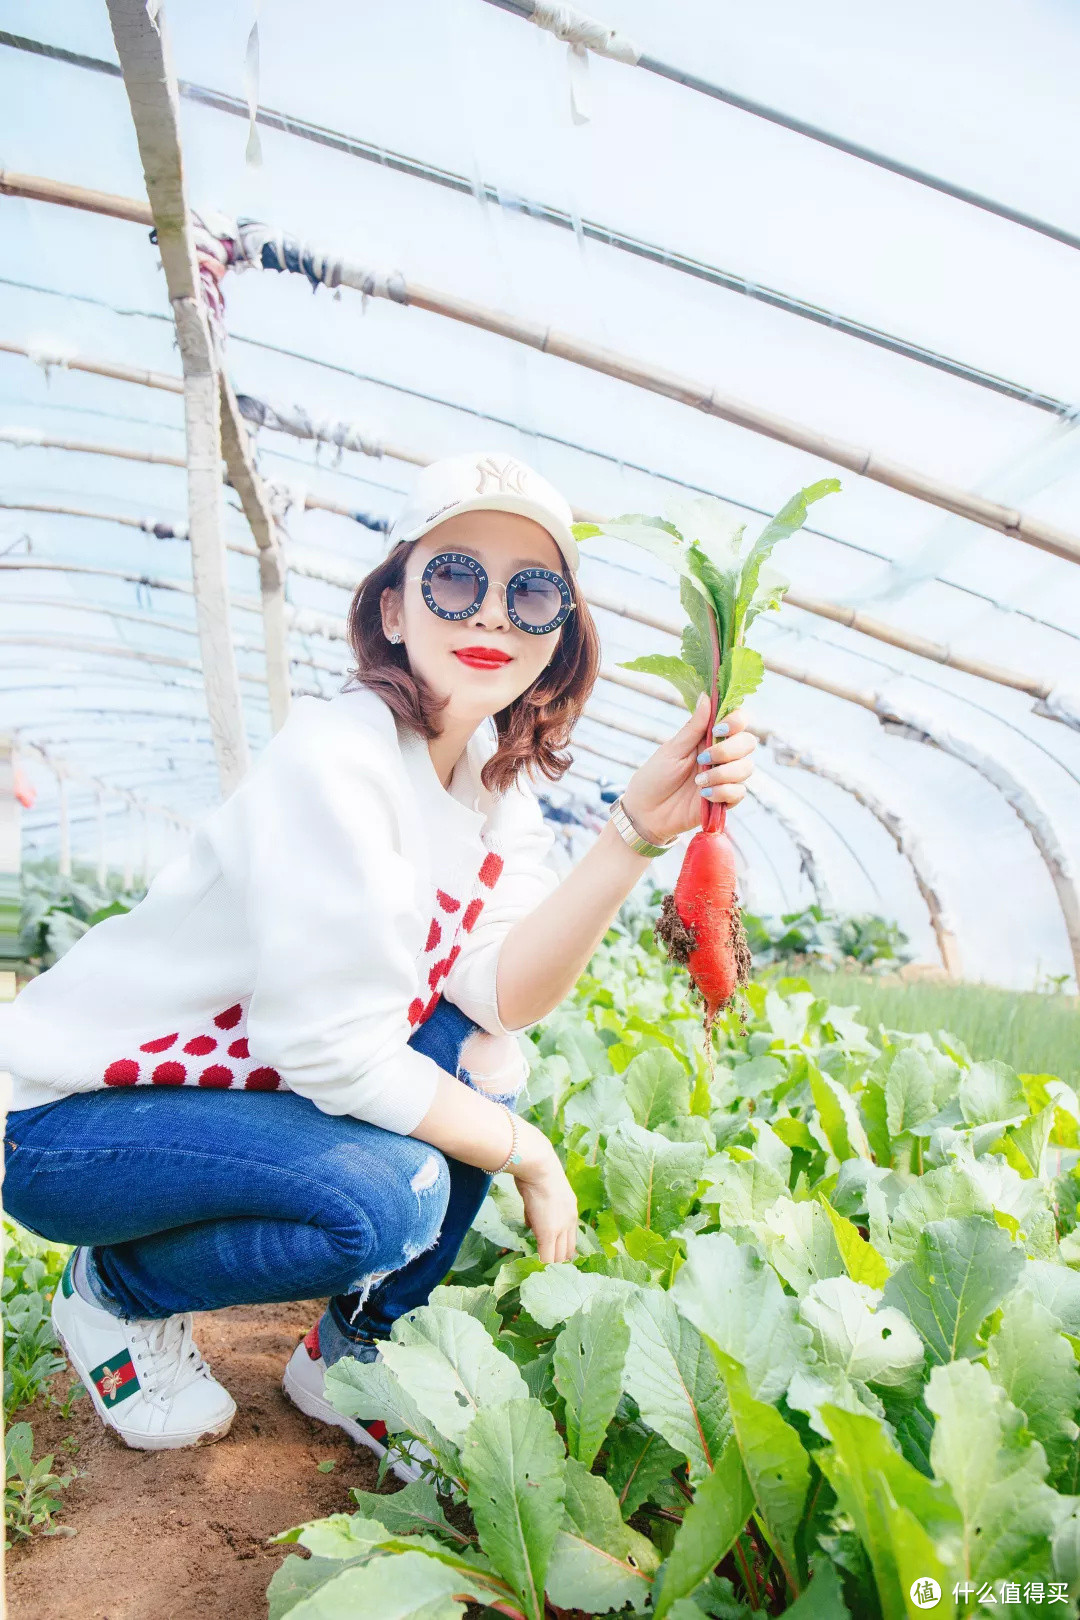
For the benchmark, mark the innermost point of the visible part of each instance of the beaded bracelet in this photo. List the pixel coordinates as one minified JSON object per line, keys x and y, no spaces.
{"x":513,"y":1157}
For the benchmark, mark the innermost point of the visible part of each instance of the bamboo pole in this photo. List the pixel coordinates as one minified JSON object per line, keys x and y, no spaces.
{"x":65,"y":831}
{"x":899,"y":831}
{"x":303,"y":621}
{"x":547,"y":214}
{"x":77,"y":773}
{"x":577,"y":27}
{"x":46,"y":359}
{"x":127,"y":881}
{"x":145,"y":58}
{"x":897,"y":827}
{"x":768,"y":793}
{"x":111,"y":649}
{"x":905,"y":720}
{"x":255,"y":240}
{"x":32,"y":439}
{"x":247,"y":644}
{"x":112,"y":369}
{"x":908,"y":722}
{"x":245,"y":479}
{"x":1034,"y":686}
{"x":102,"y":866}
{"x":798,"y":832}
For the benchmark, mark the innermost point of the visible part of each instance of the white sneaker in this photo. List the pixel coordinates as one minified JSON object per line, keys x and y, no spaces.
{"x":304,"y":1383}
{"x":146,"y":1378}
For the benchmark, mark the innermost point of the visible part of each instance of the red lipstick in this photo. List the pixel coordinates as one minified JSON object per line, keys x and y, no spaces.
{"x":482,"y":657}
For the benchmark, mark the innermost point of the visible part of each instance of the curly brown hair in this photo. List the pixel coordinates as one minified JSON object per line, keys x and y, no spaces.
{"x":532,"y":731}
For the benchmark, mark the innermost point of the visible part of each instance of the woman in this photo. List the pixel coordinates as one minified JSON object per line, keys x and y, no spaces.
{"x":290,"y":1071}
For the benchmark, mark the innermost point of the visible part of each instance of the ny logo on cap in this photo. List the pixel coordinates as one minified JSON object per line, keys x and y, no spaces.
{"x":509,"y":477}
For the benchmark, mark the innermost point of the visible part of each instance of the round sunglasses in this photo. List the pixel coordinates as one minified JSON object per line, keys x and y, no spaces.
{"x":454,"y":586}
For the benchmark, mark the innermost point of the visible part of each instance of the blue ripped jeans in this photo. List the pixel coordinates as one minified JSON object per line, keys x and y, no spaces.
{"x":191,"y":1200}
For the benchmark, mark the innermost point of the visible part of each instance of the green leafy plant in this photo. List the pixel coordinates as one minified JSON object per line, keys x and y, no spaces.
{"x":57,"y":910}
{"x":820,"y":1340}
{"x":722,"y":590}
{"x":31,"y":1489}
{"x":824,"y":938}
{"x":32,"y":1269}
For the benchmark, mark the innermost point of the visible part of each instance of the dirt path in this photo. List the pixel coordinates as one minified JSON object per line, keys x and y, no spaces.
{"x":181,"y":1535}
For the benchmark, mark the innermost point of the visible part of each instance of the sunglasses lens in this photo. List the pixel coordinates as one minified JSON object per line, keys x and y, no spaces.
{"x":537,"y":602}
{"x":454,"y":587}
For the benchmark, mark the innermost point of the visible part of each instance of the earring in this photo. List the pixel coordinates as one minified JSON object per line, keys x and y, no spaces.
{"x":395,"y":639}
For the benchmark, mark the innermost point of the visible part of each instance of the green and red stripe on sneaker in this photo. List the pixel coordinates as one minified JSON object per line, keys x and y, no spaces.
{"x":115,"y":1379}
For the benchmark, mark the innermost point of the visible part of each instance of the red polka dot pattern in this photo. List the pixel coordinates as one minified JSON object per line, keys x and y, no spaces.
{"x":162,"y":1044}
{"x":169,"y":1074}
{"x":262,"y":1080}
{"x":416,"y":1010}
{"x":489,"y":872}
{"x":239,"y":1049}
{"x":199,"y":1045}
{"x":447,"y":901}
{"x":124,"y":1072}
{"x":472,"y":911}
{"x":434,"y":936}
{"x":217,"y":1075}
{"x":438,"y":972}
{"x":230,"y":1017}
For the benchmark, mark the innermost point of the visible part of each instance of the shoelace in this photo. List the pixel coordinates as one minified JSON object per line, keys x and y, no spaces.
{"x":167,"y":1357}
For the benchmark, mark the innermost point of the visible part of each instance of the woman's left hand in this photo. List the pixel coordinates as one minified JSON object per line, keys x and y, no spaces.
{"x":663,"y":797}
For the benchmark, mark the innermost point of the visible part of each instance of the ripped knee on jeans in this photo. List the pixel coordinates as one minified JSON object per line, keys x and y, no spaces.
{"x":494,"y":1065}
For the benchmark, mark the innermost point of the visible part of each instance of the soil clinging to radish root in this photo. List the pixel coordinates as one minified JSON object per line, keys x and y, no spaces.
{"x":673,"y":933}
{"x":680,"y":941}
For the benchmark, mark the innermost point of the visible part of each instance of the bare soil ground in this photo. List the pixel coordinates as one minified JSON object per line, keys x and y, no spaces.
{"x":182,"y":1535}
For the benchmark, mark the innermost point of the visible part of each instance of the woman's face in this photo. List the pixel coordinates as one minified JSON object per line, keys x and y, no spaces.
{"x":437,"y":648}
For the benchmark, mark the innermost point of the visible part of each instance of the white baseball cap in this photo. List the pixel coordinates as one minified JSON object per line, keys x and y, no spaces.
{"x":485,"y":481}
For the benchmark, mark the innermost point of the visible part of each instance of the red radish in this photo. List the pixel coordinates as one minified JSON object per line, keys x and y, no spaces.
{"x":701,"y":923}
{"x":708,"y":909}
{"x":722,"y":590}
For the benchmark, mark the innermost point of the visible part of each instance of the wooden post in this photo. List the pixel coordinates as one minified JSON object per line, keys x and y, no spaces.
{"x":272,"y":566}
{"x":145,"y":848}
{"x":10,"y":882}
{"x":65,"y":825}
{"x":102,"y":866}
{"x":128,"y":879}
{"x":138,"y":31}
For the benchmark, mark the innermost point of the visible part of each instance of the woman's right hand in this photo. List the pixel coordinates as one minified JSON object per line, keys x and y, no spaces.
{"x":551,"y":1211}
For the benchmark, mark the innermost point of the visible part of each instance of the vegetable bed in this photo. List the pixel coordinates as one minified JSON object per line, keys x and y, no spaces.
{"x":818,"y":1352}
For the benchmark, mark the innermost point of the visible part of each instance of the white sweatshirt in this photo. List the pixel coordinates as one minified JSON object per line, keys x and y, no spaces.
{"x":313,"y":920}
